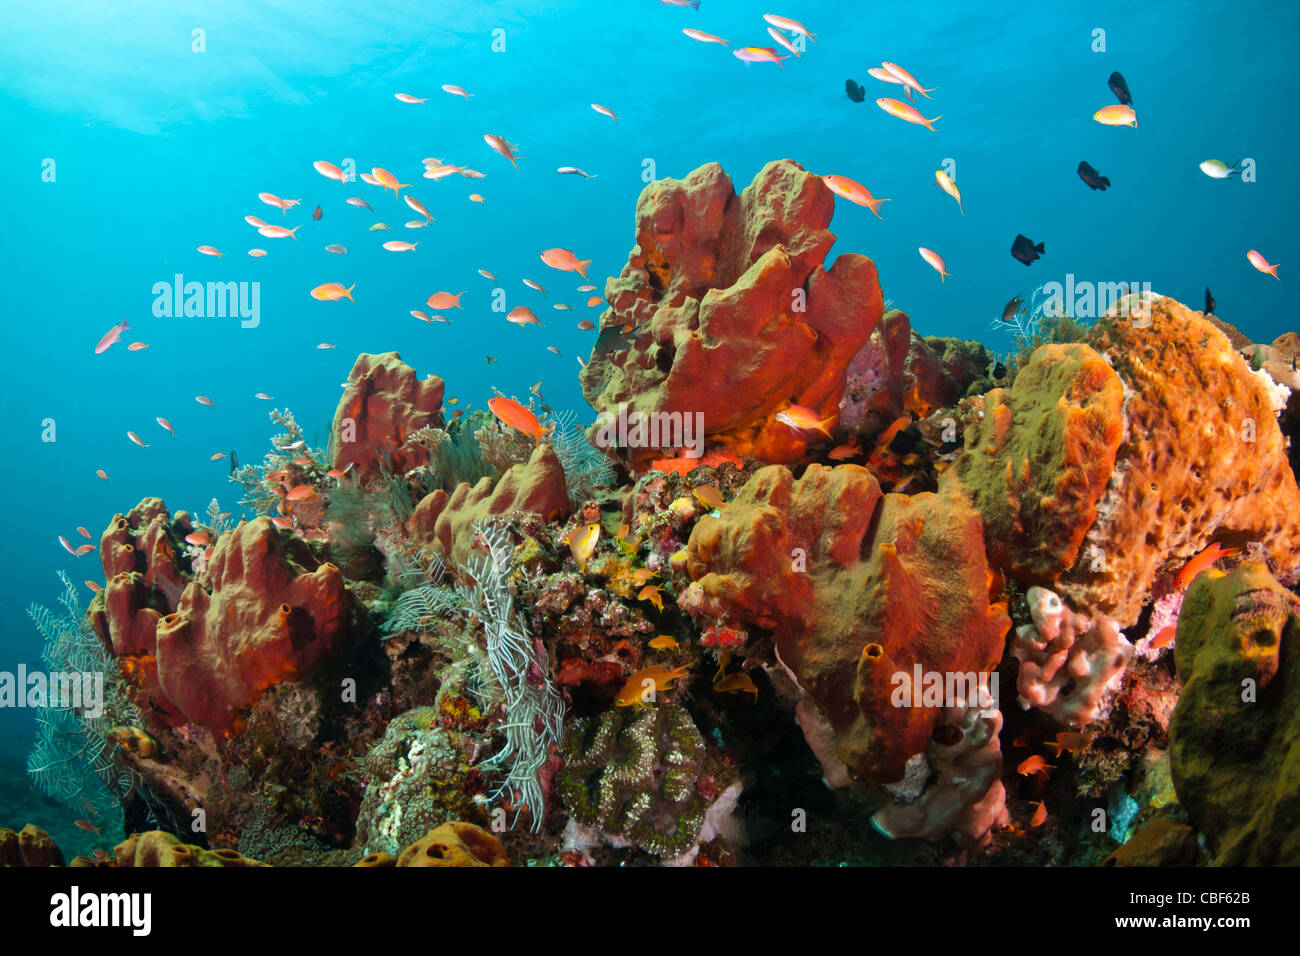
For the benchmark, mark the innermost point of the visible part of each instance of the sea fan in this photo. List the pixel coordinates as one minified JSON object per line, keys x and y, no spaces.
{"x":585,"y":466}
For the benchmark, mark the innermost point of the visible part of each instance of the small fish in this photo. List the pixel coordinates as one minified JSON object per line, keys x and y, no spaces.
{"x":907,"y":79}
{"x":594,"y":301}
{"x":325,"y":345}
{"x":586,"y":288}
{"x":487,"y":275}
{"x":562,"y":307}
{"x":299,"y":492}
{"x":369,"y":180}
{"x":257,"y":253}
{"x":475,"y":197}
{"x":854,"y":90}
{"x":1202,"y":561}
{"x":456,"y":91}
{"x":137,"y":347}
{"x":359,"y":203}
{"x":1116,"y":115}
{"x":582,"y":543}
{"x":552,"y":348}
{"x":517,"y":417}
{"x":111,"y":337}
{"x":264,"y":397}
{"x":1164,"y":637}
{"x":333,"y":291}
{"x":1011,"y":308}
{"x":1120,"y":89}
{"x":1024,"y":249}
{"x":94,"y":586}
{"x":604,"y":111}
{"x":204,"y":400}
{"x":788,"y":25}
{"x":783,"y":41}
{"x":255,"y":222}
{"x":632,"y":694}
{"x":316,"y":213}
{"x":1040,"y":814}
{"x":1209,"y":302}
{"x":804,"y":419}
{"x":209,"y":251}
{"x":491,"y":360}
{"x":908,"y":113}
{"x":397,"y":245}
{"x":167,"y":425}
{"x":616,"y":339}
{"x":84,"y":549}
{"x":533,"y":285}
{"x":947,"y":185}
{"x":759,"y":54}
{"x":83,"y":532}
{"x":67,"y":546}
{"x":652,"y":594}
{"x":522,"y":315}
{"x":565,"y":261}
{"x":1033,"y":765}
{"x":854,"y":192}
{"x":1069,"y":741}
{"x":1094,"y":179}
{"x":693,"y":4}
{"x":935,"y":260}
{"x":709,"y":495}
{"x":387,"y":180}
{"x":271,"y":199}
{"x":884,"y":76}
{"x":502,"y":147}
{"x":200,"y":539}
{"x":703,"y":37}
{"x":234,"y":462}
{"x":999,"y":370}
{"x":279,"y":232}
{"x":337,"y":249}
{"x":665,"y":642}
{"x":444,"y":300}
{"x":574,"y":171}
{"x":586,"y":325}
{"x":1218,"y":169}
{"x":440,"y":171}
{"x":101,"y":474}
{"x":417,"y":206}
{"x":280,"y":522}
{"x":844,"y":452}
{"x":330,"y":171}
{"x":416,"y":224}
{"x":408,"y":98}
{"x":136,"y":438}
{"x":416,"y":313}
{"x":737,"y":683}
{"x":380,"y":227}
{"x":1262,"y":264}
{"x":217,"y":456}
{"x":87,"y":826}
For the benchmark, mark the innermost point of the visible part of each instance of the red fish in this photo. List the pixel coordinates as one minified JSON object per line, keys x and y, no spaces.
{"x":316,"y":213}
{"x":1202,"y":561}
{"x":1033,"y":765}
{"x":517,"y":417}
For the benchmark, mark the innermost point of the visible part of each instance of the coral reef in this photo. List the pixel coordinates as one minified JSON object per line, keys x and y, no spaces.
{"x":30,"y":846}
{"x":858,"y":587}
{"x":1235,"y":732}
{"x":384,"y":403}
{"x":1068,"y":662}
{"x":731,"y":312}
{"x":455,"y":844}
{"x":159,"y":848}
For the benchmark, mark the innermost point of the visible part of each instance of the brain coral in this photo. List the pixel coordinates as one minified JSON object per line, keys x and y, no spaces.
{"x":1235,"y":733}
{"x":859,"y":588}
{"x":633,"y":773}
{"x":733,"y":314}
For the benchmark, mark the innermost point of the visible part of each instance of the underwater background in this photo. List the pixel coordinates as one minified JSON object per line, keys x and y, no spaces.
{"x":158,"y":149}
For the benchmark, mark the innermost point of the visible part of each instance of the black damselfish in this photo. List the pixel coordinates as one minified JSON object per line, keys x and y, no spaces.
{"x":1120,"y":89}
{"x":855,"y":91}
{"x":1025,"y":250}
{"x":1094,"y":179}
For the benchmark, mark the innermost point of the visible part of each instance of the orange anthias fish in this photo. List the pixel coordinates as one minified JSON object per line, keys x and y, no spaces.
{"x":634,"y":692}
{"x":502,"y":147}
{"x":905,"y":112}
{"x":517,"y":417}
{"x":1033,"y":765}
{"x":1202,"y":561}
{"x":665,"y":642}
{"x":200,"y":539}
{"x":444,"y":300}
{"x":947,"y":185}
{"x":1262,"y":264}
{"x":737,"y":683}
{"x":565,"y":261}
{"x":1069,"y":741}
{"x":111,"y":337}
{"x":652,"y":594}
{"x":804,"y":419}
{"x":87,"y":826}
{"x":333,"y":291}
{"x":1040,"y":815}
{"x":387,"y":180}
{"x":855,"y":192}
{"x":907,"y":79}
{"x":881,"y":450}
{"x":1164,"y":637}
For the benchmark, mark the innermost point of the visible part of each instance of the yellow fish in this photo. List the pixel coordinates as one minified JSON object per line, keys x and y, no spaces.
{"x":737,"y":683}
{"x":665,"y":643}
{"x":582,"y":543}
{"x":709,"y":495}
{"x":632,"y":694}
{"x":651,"y":593}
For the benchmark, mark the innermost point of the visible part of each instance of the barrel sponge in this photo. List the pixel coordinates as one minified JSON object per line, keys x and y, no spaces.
{"x":455,"y":844}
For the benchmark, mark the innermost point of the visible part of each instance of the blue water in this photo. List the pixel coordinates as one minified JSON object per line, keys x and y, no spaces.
{"x":159,"y":149}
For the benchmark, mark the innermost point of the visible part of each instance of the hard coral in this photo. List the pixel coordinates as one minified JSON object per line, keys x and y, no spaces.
{"x":1068,"y":662}
{"x":734,"y":315}
{"x":634,"y":775}
{"x":858,"y":587}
